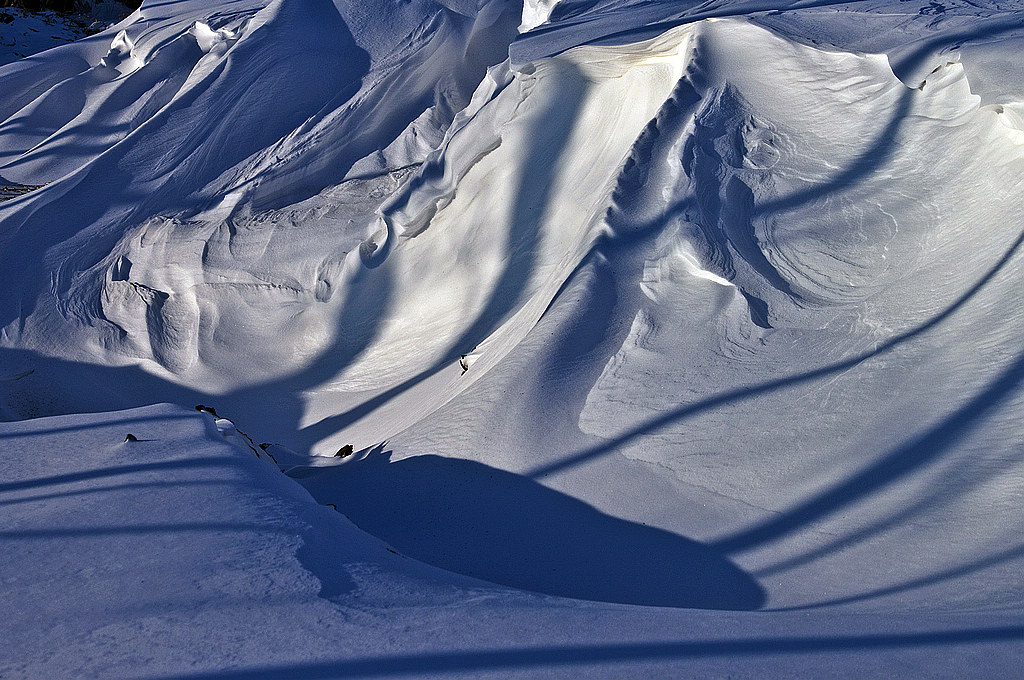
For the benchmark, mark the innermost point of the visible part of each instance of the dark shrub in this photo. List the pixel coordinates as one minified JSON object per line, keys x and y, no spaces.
{"x":58,"y":5}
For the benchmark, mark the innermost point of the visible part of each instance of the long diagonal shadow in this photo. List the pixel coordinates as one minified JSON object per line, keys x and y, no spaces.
{"x":120,"y":470}
{"x":119,"y":488}
{"x":523,"y":658}
{"x":1014,"y":553}
{"x":897,"y":464}
{"x":742,"y":394}
{"x":969,"y":476}
{"x":79,"y":427}
{"x":537,"y":178}
{"x":138,"y":530}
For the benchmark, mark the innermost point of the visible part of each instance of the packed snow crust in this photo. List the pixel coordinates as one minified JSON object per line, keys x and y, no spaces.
{"x":677,"y":338}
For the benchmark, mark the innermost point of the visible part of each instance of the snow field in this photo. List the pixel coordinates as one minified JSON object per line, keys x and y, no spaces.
{"x":690,"y":331}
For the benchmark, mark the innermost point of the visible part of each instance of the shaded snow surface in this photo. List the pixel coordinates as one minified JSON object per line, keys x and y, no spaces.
{"x":25,"y":33}
{"x":692,"y":328}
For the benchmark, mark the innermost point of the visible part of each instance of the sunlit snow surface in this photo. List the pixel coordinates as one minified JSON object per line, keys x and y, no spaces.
{"x":706,"y":308}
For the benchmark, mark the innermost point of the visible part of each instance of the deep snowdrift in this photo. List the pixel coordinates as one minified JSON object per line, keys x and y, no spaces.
{"x":657,"y":304}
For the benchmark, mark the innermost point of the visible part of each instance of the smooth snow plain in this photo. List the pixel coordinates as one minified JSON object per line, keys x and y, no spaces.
{"x":670,"y":339}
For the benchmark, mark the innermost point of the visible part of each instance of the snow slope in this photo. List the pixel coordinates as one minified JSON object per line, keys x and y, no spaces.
{"x":700,"y":307}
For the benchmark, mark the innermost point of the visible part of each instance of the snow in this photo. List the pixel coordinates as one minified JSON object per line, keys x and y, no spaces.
{"x":181,"y":555}
{"x":23,"y":33}
{"x":669,"y":340}
{"x":535,"y":13}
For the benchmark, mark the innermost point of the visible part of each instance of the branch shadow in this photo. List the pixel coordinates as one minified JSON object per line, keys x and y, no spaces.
{"x":533,"y":196}
{"x":921,"y":450}
{"x":943,"y":641}
{"x":1014,"y":553}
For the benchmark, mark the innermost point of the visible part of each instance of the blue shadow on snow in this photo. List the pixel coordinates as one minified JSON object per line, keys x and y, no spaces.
{"x":473,"y":519}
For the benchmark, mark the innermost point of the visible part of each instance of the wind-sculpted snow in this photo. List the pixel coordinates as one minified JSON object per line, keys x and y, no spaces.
{"x":656,"y":303}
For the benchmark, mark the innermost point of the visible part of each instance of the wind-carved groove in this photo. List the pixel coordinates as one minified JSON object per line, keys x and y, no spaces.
{"x":648,"y":167}
{"x":433,"y":186}
{"x":697,"y":145}
{"x":729,"y":154}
